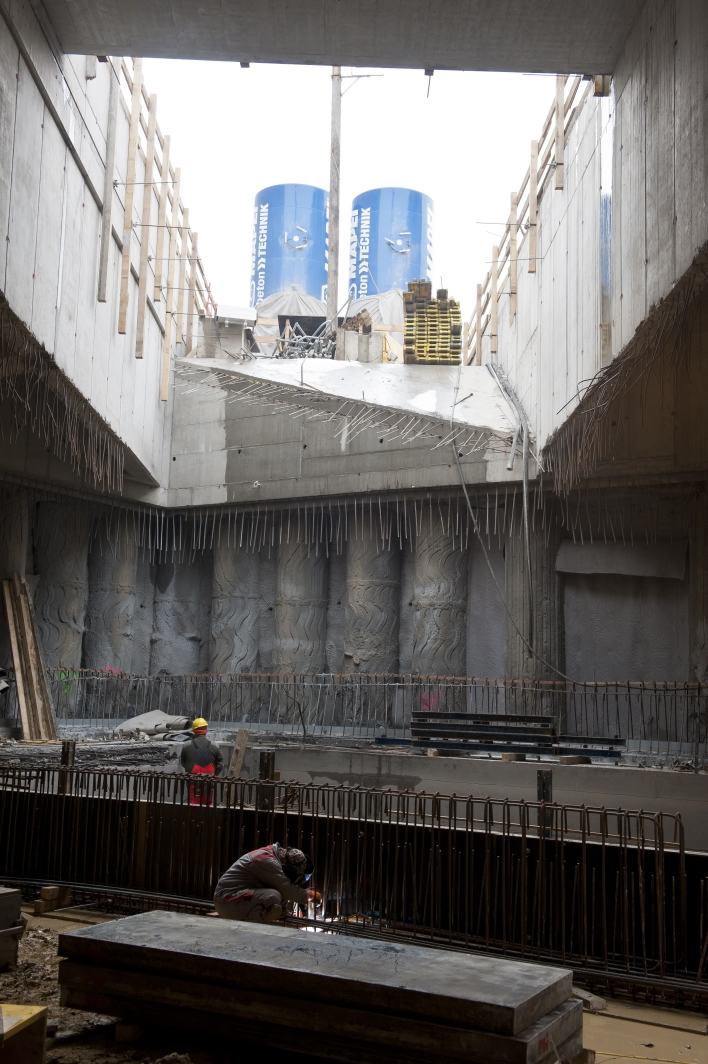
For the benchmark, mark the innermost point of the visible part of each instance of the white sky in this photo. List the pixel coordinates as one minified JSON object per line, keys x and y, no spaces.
{"x":235,"y":131}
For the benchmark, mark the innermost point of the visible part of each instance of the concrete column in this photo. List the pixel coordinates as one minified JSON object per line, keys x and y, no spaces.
{"x":372,"y":607}
{"x":14,"y":538}
{"x":180,"y":636}
{"x":698,"y":589}
{"x":235,"y":609}
{"x":300,"y":609}
{"x":61,"y":559}
{"x":14,"y":535}
{"x":110,"y":613}
{"x":439,"y":603}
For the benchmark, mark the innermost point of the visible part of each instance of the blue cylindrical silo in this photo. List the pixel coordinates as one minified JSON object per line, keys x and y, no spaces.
{"x":391,"y":240}
{"x":290,"y":239}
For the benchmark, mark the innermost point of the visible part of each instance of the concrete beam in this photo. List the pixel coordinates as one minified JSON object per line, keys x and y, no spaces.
{"x":546,"y":35}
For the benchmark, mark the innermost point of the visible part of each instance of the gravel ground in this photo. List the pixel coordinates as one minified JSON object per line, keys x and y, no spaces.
{"x":86,"y":1038}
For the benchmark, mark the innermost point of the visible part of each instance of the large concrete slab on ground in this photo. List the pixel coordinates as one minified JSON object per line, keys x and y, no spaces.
{"x":490,"y":994}
{"x":349,"y":999}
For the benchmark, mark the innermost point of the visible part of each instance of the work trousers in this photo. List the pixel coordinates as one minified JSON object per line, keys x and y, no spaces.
{"x":261,"y":906}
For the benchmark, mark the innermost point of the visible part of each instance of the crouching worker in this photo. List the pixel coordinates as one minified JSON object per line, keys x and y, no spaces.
{"x":201,"y":757}
{"x":261,"y":883}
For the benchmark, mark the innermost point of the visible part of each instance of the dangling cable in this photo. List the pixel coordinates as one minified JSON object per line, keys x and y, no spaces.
{"x":478,"y":533}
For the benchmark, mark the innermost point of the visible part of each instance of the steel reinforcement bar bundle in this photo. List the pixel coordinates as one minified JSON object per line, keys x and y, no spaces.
{"x":610,"y":893}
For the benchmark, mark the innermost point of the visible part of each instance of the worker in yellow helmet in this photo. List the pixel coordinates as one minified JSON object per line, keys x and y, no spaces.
{"x":201,"y":756}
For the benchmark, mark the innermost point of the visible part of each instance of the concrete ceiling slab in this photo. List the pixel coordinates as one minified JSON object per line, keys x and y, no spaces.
{"x":561,"y":36}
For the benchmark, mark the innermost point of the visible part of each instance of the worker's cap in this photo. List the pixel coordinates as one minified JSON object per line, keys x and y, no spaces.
{"x":199,"y":723}
{"x":299,"y":859}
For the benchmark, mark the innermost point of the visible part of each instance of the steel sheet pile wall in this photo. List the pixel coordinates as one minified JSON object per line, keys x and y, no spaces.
{"x":604,"y":891}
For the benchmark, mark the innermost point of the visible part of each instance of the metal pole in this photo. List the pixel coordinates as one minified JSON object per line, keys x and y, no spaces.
{"x":335,"y":145}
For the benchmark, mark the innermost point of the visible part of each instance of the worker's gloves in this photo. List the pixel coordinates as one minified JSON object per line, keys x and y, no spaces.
{"x":314,"y":895}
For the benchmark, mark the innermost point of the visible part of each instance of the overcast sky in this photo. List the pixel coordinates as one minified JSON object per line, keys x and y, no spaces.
{"x":235,"y":131}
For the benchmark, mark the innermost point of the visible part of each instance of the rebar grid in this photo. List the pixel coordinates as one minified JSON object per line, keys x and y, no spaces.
{"x":664,"y":718}
{"x":604,"y":891}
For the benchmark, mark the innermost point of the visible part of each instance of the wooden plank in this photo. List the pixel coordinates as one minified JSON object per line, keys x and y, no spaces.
{"x":48,"y":251}
{"x":513,"y":256}
{"x":129,"y":197}
{"x":106,"y":236}
{"x":31,"y":691}
{"x":494,"y":301}
{"x":465,"y":343}
{"x":239,"y":752}
{"x":35,"y":681}
{"x":533,"y":207}
{"x":145,"y":229}
{"x":50,"y":731}
{"x":169,"y":294}
{"x":192,"y":293}
{"x":24,"y":159}
{"x":162,"y":217}
{"x":478,"y":329}
{"x":25,"y":718}
{"x":181,"y":284}
{"x":560,"y":130}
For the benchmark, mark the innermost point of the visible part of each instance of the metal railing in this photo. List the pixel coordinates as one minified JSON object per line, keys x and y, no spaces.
{"x":660,"y":718}
{"x":604,"y":891}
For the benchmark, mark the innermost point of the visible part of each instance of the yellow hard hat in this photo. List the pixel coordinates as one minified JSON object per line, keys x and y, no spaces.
{"x":199,"y":723}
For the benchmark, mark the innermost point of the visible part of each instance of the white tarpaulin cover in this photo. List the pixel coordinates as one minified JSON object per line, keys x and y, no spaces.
{"x":400,"y":401}
{"x":290,"y":302}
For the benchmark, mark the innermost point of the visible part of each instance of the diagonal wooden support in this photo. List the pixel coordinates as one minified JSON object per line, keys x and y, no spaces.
{"x":130,"y":195}
{"x":145,"y":228}
{"x":34,"y":699}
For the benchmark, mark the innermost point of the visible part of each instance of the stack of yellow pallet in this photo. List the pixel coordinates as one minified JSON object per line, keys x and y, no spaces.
{"x":432,"y":327}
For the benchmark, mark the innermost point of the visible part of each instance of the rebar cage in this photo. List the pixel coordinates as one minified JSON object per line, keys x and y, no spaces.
{"x":608,"y":892}
{"x":663,"y":718}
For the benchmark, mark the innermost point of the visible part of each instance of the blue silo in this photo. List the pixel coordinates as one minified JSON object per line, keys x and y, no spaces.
{"x":391,"y":241}
{"x":290,"y":239}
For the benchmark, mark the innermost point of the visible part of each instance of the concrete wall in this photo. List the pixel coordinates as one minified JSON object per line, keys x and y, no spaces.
{"x":660,"y":189}
{"x":226,"y":451}
{"x":50,"y":219}
{"x":625,"y":627}
{"x":646,"y":148}
{"x":659,"y":790}
{"x":554,"y":340}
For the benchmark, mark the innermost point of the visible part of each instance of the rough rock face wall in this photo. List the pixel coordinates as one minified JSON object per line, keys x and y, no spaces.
{"x":180,"y":636}
{"x":110,"y":611}
{"x":300,"y":609}
{"x":373,"y":598}
{"x":439,"y":604}
{"x":287,"y":609}
{"x":235,"y":609}
{"x":61,"y":560}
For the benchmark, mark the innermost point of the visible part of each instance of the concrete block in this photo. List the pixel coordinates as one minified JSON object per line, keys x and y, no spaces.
{"x":10,"y":907}
{"x":495,"y":995}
